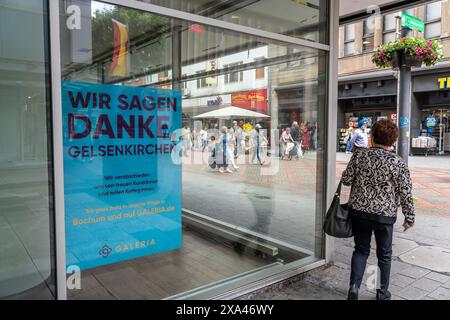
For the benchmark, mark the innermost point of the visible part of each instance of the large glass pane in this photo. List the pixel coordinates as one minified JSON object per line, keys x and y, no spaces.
{"x":349,"y":48}
{"x":254,"y":108}
{"x":434,"y":11}
{"x":305,"y":19}
{"x":350,"y":32}
{"x":433,"y":30}
{"x":26,"y":233}
{"x":390,"y":22}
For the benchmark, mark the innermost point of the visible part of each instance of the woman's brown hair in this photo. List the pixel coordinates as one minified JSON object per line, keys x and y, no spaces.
{"x":384,"y":133}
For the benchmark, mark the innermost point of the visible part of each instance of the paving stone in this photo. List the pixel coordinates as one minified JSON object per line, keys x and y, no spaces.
{"x":395,"y":297}
{"x":415,"y":272}
{"x":395,"y":289}
{"x":401,"y":280}
{"x":433,"y":258}
{"x":442,"y":278}
{"x":440,"y":294}
{"x":426,"y":284}
{"x":411,"y":293}
{"x":401,"y":246}
{"x":398,"y":266}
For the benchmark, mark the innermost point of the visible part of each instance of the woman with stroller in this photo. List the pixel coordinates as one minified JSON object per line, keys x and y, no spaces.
{"x":287,"y":144}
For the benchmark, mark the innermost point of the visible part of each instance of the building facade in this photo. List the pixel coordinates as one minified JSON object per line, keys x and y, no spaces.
{"x":368,"y":92}
{"x":103,"y":191}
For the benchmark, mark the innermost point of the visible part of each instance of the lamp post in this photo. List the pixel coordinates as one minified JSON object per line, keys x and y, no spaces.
{"x":403,"y":62}
{"x":403,"y":102}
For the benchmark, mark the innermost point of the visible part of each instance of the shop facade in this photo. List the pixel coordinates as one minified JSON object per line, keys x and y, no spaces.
{"x":373,"y":96}
{"x":430,"y":109}
{"x":372,"y":100}
{"x":96,"y":199}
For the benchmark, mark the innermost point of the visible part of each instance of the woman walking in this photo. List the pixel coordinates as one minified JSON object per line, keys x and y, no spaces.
{"x":380,"y":183}
{"x":305,"y":136}
{"x":222,"y":151}
{"x":231,"y":148}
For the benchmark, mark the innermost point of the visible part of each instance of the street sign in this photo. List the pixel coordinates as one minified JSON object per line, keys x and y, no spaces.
{"x":413,"y":23}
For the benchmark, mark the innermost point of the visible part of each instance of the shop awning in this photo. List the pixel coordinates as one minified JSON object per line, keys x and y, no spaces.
{"x":231,"y":112}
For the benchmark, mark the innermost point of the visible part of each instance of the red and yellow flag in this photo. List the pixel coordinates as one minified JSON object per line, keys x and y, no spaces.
{"x":119,"y":66}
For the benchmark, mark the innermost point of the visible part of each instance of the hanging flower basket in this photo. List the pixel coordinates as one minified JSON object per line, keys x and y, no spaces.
{"x":412,"y":52}
{"x":402,"y":57}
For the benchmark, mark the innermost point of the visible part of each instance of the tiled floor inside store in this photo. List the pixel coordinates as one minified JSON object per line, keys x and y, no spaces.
{"x":198,"y":263}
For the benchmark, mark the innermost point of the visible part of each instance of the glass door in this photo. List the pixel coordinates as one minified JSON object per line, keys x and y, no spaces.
{"x":27,"y":267}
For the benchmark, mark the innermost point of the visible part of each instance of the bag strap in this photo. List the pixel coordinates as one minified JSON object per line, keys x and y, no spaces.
{"x":338,"y":191}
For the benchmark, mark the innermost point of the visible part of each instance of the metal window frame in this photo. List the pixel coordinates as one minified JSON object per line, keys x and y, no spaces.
{"x":330,"y":156}
{"x":58,"y":166}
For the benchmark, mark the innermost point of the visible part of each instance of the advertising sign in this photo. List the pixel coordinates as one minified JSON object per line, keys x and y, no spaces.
{"x":122,"y":180}
{"x":444,"y":83}
{"x":251,"y":100}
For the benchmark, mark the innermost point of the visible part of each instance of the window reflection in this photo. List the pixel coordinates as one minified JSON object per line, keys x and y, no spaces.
{"x":250,"y":198}
{"x":305,"y":19}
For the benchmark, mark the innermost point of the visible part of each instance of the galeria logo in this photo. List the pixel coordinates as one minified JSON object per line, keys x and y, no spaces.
{"x":105,"y":251}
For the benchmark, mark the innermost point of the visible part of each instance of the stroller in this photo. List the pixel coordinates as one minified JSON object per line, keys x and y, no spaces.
{"x":297,"y":151}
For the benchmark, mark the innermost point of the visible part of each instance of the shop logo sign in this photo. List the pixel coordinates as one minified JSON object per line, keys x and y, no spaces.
{"x":444,"y":83}
{"x":404,"y":122}
{"x":216,"y":102}
{"x":105,"y":251}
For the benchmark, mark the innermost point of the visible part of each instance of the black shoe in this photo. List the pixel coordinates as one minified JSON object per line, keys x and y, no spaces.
{"x":383,"y":296}
{"x":353,"y":293}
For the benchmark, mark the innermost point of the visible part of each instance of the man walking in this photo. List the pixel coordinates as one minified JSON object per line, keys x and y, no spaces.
{"x":360,"y":139}
{"x":238,"y":136}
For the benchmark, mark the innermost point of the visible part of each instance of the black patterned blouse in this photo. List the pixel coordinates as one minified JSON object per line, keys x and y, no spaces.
{"x":380,"y":183}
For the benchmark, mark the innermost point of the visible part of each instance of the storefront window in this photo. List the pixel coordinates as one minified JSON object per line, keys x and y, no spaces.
{"x":26,"y":212}
{"x":296,"y":18}
{"x":251,"y":203}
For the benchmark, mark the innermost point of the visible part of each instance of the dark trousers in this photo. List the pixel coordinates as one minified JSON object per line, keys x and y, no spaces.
{"x":362,"y":232}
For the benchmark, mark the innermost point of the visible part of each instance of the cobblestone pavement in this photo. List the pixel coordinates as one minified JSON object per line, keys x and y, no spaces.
{"x":421,"y":256}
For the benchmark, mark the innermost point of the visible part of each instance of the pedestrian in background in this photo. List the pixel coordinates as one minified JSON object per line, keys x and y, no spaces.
{"x":305,"y":135}
{"x":348,"y":147}
{"x":380,"y":182}
{"x":238,"y":134}
{"x":287,"y":143}
{"x":222,"y":152}
{"x":359,"y":139}
{"x":204,"y":136}
{"x":231,"y":148}
{"x":258,"y":140}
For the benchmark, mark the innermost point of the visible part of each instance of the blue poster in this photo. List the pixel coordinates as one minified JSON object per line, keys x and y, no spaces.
{"x":122,"y":186}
